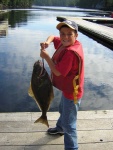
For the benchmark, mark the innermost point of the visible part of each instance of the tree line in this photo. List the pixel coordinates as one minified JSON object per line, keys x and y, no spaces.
{"x":16,"y":3}
{"x":99,"y":4}
{"x":102,"y":4}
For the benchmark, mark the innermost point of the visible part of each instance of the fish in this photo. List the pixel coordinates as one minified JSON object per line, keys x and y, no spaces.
{"x":41,"y":90}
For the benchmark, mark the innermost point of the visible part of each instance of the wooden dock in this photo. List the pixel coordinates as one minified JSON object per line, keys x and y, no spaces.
{"x":3,"y":11}
{"x":3,"y":28}
{"x":18,"y":131}
{"x":97,"y":19}
{"x":99,"y":32}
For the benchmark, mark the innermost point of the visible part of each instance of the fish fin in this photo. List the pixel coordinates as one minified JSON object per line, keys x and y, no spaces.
{"x":30,"y":92}
{"x":42,"y":120}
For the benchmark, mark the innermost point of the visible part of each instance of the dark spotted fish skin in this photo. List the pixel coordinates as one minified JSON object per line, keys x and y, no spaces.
{"x":41,"y":90}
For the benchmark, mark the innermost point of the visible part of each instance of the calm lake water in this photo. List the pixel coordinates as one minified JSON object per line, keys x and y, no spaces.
{"x":20,"y":48}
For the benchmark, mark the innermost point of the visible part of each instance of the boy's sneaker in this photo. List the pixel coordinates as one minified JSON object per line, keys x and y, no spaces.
{"x":54,"y":131}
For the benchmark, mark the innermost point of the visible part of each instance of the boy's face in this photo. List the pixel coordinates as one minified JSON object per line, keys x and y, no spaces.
{"x":68,"y":36}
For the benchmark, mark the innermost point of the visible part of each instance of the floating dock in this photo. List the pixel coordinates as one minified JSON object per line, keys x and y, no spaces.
{"x":97,"y":19}
{"x":18,"y":131}
{"x":3,"y":28}
{"x":99,"y":32}
{"x":3,"y":11}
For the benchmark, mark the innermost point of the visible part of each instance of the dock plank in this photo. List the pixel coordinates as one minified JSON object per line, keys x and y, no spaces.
{"x":96,"y":146}
{"x":13,"y":148}
{"x":96,"y":18}
{"x":91,"y":146}
{"x":42,"y":138}
{"x":25,"y":126}
{"x":32,"y":116}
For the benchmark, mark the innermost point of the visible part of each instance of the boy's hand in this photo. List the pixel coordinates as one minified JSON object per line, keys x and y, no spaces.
{"x":44,"y":54}
{"x":44,"y":45}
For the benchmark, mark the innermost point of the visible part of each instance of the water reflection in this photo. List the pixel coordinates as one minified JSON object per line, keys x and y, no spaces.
{"x":20,"y":49}
{"x":98,"y":76}
{"x":15,"y":17}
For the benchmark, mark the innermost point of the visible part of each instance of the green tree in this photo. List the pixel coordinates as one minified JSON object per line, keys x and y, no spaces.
{"x":17,"y":3}
{"x":4,"y":2}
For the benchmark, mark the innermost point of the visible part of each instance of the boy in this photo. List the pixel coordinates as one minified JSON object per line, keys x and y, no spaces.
{"x":67,"y":72}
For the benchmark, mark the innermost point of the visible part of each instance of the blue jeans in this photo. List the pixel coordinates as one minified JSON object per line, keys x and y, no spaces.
{"x":67,"y":122}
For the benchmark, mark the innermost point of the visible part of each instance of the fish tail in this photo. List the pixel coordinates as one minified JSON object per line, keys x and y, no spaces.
{"x":43,"y":120}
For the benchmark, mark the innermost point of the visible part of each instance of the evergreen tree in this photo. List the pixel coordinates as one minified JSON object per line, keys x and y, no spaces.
{"x":106,"y":4}
{"x":17,"y":3}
